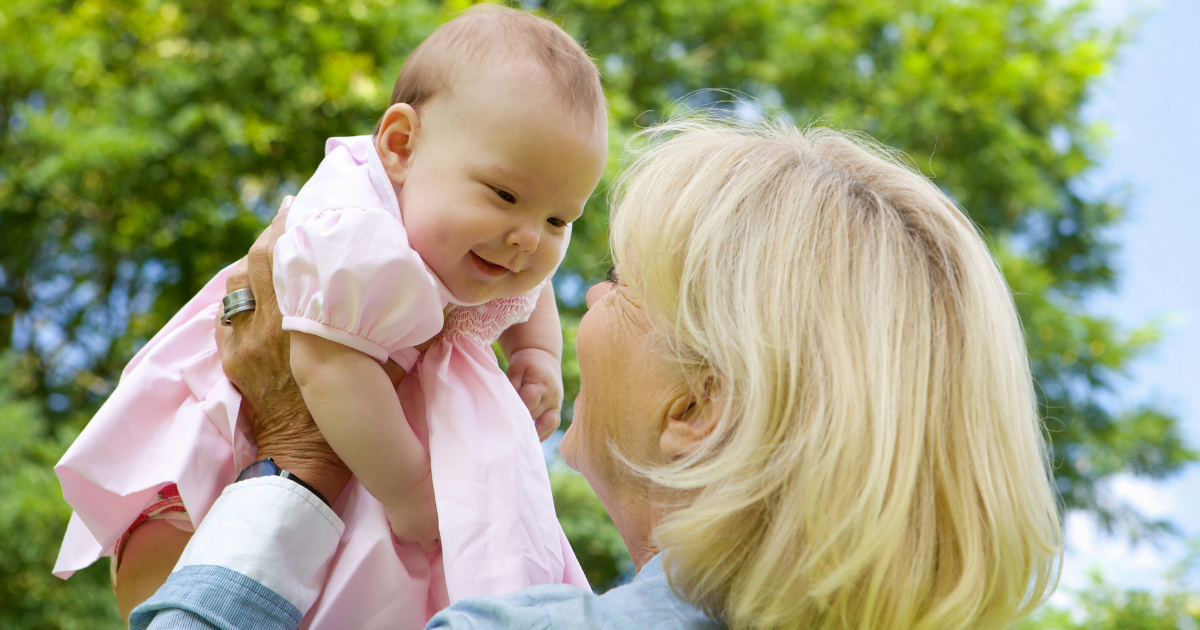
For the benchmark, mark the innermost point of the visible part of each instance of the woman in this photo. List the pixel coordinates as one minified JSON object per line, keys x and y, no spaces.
{"x":805,"y":399}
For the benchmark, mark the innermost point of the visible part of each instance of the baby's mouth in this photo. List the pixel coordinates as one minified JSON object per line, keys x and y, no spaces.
{"x":488,"y":268}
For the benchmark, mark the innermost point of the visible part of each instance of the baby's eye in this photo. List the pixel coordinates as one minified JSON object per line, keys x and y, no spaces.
{"x":505,"y":195}
{"x":556,"y":222}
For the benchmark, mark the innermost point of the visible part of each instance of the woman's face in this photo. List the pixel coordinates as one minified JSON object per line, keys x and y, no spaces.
{"x":626,"y":391}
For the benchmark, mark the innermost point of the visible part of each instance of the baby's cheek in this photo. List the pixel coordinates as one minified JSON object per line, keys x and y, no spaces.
{"x":543,"y":264}
{"x":436,"y":244}
{"x":553,"y":254}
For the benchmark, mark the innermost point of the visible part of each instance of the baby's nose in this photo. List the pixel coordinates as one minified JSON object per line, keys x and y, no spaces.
{"x":525,"y":238}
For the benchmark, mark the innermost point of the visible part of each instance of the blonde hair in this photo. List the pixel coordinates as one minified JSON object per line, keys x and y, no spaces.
{"x":492,"y":34}
{"x":879,"y":462}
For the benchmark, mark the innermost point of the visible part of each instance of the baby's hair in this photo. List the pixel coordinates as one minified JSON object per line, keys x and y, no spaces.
{"x":488,"y":33}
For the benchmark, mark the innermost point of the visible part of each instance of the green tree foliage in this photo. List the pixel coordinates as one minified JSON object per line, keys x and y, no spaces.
{"x":144,"y":142}
{"x":596,"y":542}
{"x":1102,"y":606}
{"x":33,"y":518}
{"x":1107,"y":608}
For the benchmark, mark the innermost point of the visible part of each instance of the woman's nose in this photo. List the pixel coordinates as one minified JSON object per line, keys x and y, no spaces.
{"x":596,"y":292}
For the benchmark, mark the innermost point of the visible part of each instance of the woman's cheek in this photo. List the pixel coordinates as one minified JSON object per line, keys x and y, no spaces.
{"x":567,"y":448}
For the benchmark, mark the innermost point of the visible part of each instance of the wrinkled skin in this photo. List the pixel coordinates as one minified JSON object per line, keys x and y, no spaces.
{"x":256,"y":358}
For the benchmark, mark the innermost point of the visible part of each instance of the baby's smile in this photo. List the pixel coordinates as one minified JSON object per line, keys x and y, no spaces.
{"x":487,"y":267}
{"x":496,"y":175}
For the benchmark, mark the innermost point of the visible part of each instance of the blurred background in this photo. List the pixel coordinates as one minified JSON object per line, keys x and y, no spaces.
{"x":143,"y":145}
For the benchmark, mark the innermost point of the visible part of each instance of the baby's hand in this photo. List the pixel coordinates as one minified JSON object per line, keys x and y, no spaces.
{"x":415,"y":520}
{"x":537,"y":377}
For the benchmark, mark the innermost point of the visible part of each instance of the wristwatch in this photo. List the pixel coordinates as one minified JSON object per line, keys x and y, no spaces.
{"x":268,"y":468}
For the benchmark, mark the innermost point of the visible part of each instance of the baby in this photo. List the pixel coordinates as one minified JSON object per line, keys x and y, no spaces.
{"x":450,"y":219}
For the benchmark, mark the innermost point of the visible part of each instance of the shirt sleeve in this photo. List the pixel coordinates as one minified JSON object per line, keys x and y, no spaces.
{"x":350,"y":276}
{"x":258,"y":560}
{"x":546,"y":607}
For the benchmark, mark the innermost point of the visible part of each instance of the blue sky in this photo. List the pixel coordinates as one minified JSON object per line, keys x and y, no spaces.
{"x":1151,"y":103}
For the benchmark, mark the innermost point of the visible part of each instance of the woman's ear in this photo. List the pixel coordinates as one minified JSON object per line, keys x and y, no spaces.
{"x":691,"y":419}
{"x":395,"y":141}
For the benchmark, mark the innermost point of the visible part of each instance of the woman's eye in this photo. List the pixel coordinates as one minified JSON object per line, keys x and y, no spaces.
{"x":556,"y":222}
{"x":505,"y":195}
{"x":610,"y":275}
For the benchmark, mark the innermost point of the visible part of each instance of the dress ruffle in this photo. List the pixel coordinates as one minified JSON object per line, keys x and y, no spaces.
{"x":172,"y":420}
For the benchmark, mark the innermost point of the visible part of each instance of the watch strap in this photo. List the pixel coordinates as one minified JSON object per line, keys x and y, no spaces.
{"x":287,"y":475}
{"x":268,"y":468}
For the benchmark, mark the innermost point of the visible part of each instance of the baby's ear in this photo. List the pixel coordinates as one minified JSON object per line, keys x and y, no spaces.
{"x":395,"y":140}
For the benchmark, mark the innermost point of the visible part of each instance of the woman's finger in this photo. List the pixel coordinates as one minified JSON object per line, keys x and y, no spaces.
{"x":255,"y":342}
{"x":279,"y":223}
{"x":273,"y":232}
{"x":260,"y":253}
{"x":238,"y":278}
{"x":224,"y":335}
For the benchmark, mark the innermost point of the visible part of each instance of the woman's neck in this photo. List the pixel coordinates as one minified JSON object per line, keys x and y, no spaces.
{"x":636,"y":517}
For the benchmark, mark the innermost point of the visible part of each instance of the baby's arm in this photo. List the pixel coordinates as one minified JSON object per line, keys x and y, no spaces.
{"x":534,"y":352}
{"x":354,"y":404}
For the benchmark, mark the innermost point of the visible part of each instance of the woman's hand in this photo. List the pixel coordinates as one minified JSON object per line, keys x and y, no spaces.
{"x":256,"y":356}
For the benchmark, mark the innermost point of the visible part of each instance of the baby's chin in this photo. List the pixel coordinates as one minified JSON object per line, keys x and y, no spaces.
{"x":475,"y":292}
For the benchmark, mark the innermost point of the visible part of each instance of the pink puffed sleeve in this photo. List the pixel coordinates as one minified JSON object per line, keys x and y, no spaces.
{"x":350,"y":276}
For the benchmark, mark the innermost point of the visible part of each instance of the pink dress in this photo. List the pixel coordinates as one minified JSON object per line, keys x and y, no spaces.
{"x":343,"y":271}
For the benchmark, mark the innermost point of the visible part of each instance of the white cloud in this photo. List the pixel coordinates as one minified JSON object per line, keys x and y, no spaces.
{"x":1153,"y":499}
{"x":1119,"y":562}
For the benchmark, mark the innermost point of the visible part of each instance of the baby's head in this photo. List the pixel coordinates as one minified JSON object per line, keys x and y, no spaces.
{"x":496,"y":137}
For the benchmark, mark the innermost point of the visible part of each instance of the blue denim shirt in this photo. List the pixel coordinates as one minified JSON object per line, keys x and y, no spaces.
{"x":646,"y":602}
{"x":216,"y":598}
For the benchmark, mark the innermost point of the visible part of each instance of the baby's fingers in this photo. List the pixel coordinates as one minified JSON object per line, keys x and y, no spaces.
{"x":516,"y":377}
{"x":547,"y":423}
{"x":533,"y":395}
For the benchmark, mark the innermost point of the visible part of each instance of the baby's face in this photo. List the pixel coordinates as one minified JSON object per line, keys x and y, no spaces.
{"x":499,"y":171}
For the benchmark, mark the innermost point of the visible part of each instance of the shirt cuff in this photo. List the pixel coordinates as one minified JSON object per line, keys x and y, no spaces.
{"x":214,"y":598}
{"x":274,"y":532}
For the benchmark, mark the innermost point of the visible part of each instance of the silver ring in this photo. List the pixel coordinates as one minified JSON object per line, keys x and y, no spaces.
{"x":234,"y":303}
